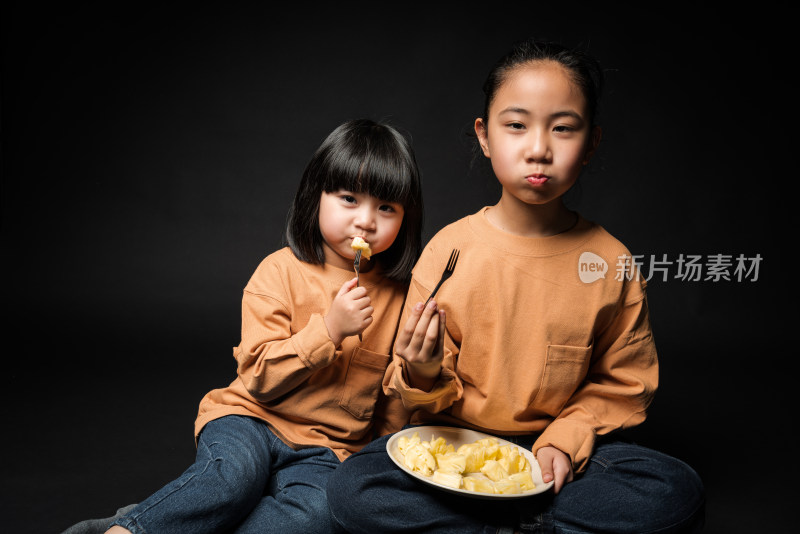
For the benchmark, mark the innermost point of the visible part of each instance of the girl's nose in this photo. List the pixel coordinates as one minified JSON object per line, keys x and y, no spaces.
{"x":537,"y":148}
{"x":365,"y":219}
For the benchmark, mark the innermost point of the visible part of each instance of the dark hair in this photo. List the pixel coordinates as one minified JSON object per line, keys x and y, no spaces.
{"x":362,"y":156}
{"x":584,"y":69}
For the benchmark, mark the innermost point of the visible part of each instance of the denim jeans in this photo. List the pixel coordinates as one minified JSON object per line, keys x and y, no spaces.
{"x":244,"y":480}
{"x":626,"y":489}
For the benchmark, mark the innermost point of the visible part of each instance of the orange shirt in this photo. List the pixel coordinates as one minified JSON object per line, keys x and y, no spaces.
{"x":544,"y":336}
{"x":290,"y":374}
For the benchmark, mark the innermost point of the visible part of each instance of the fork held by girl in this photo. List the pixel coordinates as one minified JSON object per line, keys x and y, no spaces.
{"x":448,"y":271}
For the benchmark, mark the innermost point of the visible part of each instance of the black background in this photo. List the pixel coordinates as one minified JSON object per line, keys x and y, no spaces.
{"x":150,"y":155}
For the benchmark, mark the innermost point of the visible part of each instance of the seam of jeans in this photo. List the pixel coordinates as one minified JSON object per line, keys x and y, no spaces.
{"x":187,"y":481}
{"x":129,"y":524}
{"x":605,"y":463}
{"x":335,"y":520}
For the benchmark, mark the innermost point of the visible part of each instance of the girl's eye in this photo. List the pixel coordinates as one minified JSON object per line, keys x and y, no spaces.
{"x":387,"y":208}
{"x":349,"y":199}
{"x":516,"y":126}
{"x":564,"y":128}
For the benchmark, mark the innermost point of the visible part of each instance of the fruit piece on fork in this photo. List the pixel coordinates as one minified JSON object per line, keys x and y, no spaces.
{"x":359,"y":244}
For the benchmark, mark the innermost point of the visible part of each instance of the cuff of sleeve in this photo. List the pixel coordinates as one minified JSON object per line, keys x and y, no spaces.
{"x":313,"y":345}
{"x":446,"y":390}
{"x":570,"y":437}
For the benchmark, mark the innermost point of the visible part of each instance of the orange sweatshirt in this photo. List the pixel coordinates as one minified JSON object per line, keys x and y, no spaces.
{"x":290,"y":374}
{"x":543,"y":336}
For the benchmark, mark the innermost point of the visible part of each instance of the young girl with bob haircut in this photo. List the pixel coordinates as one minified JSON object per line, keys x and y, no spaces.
{"x":521,"y":343}
{"x":308,"y":391}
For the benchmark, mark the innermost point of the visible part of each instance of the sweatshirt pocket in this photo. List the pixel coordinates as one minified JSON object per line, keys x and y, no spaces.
{"x":564,"y":372}
{"x":363,"y":382}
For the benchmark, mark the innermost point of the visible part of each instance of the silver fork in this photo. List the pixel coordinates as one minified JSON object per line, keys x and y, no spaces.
{"x":357,"y":266}
{"x":448,"y":271}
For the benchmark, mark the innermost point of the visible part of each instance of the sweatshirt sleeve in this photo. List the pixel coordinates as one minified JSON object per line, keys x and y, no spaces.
{"x":620,"y":384}
{"x":271,"y":360}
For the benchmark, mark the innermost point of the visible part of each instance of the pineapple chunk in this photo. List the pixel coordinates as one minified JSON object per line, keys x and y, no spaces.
{"x":418,"y":458}
{"x":359,"y":244}
{"x":513,"y":460}
{"x":451,"y":462}
{"x":478,"y":482}
{"x":494,"y":470}
{"x":505,"y":464}
{"x":404,"y":443}
{"x":439,"y":445}
{"x":524,"y":479}
{"x":451,"y":480}
{"x":466,"y":448}
{"x":509,"y":459}
{"x":491,"y":448}
{"x":523,"y":464}
{"x":474,"y":454}
{"x":507,"y":486}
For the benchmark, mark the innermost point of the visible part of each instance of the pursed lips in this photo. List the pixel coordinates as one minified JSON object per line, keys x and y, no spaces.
{"x":536,"y":179}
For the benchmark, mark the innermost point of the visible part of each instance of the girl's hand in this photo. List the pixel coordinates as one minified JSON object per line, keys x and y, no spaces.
{"x":555,"y":465}
{"x":350,"y":312}
{"x":421,"y":344}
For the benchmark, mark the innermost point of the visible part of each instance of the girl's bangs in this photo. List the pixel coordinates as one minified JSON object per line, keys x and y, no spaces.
{"x":388,"y":179}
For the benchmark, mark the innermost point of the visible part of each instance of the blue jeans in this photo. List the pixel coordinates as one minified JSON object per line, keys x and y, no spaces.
{"x":626,"y":489}
{"x":244,"y":479}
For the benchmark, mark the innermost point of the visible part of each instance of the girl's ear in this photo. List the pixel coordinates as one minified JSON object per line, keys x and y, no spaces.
{"x":483,"y":139}
{"x":594,"y":141}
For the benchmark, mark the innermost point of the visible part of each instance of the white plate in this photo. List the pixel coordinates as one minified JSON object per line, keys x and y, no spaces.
{"x":457,"y":437}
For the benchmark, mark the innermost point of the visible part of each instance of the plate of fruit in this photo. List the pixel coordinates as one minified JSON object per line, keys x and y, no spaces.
{"x":464,"y":461}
